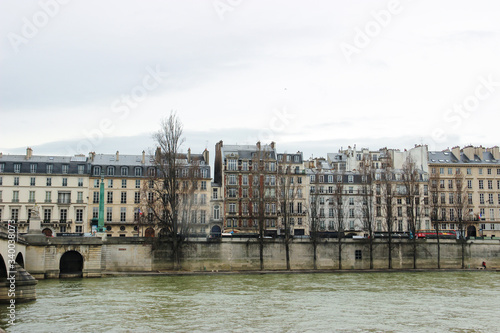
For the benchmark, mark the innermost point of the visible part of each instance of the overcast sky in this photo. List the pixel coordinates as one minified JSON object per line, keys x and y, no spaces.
{"x":79,"y":76}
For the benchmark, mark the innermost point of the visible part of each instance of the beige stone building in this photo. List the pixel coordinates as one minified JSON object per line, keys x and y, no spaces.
{"x":478,"y":169}
{"x":58,"y":185}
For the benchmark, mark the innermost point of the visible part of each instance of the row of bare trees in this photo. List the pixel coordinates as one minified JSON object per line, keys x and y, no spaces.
{"x":168,"y":198}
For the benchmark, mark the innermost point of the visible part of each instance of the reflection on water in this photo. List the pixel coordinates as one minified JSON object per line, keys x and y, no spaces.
{"x":346,"y":302}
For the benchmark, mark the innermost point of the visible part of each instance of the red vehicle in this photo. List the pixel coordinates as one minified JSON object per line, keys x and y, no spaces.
{"x":431,"y":234}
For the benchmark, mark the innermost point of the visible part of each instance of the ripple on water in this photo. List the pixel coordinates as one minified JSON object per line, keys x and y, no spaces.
{"x":366,"y":302}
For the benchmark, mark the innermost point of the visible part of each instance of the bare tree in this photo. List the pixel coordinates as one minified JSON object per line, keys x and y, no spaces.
{"x":387,"y":196}
{"x":460,"y":209}
{"x":411,"y":186}
{"x":367,"y":174}
{"x":314,"y":215}
{"x":163,"y":199}
{"x":287,"y":193}
{"x":339,"y":199}
{"x":435,"y":190}
{"x":263,"y":193}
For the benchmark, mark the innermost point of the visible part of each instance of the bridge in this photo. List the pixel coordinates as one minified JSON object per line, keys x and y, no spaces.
{"x":15,"y":283}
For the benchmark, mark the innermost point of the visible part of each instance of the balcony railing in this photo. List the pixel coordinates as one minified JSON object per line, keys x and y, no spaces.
{"x":64,"y":201}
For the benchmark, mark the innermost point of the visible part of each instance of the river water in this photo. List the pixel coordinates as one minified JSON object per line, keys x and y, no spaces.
{"x":324,"y":302}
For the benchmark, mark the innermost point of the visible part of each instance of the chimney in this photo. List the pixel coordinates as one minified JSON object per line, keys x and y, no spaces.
{"x":469,"y":152}
{"x":493,"y":150}
{"x":143,"y":161}
{"x":117,"y":155}
{"x":29,"y":153}
{"x":91,"y":156}
{"x":273,"y":144}
{"x":258,"y":145}
{"x":479,"y":152}
{"x":189,"y":155}
{"x":206,"y":157}
{"x":1,"y":154}
{"x":456,"y":151}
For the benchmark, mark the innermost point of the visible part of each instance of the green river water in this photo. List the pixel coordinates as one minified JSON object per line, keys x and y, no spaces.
{"x":466,"y":301}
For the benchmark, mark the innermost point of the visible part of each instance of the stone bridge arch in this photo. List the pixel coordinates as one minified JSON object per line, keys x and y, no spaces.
{"x":71,"y":264}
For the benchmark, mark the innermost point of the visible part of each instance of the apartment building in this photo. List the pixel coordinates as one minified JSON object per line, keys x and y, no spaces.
{"x":466,"y":186}
{"x":58,"y":185}
{"x":247,"y":174}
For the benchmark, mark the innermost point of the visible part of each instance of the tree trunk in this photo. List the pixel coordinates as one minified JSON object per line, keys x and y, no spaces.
{"x":315,"y":258}
{"x":371,"y":251}
{"x":261,"y":253}
{"x":389,"y":243}
{"x":287,"y":251}
{"x":414,"y":252}
{"x":340,"y":251}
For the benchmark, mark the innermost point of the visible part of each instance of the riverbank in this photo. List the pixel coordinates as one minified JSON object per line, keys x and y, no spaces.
{"x":305,"y":271}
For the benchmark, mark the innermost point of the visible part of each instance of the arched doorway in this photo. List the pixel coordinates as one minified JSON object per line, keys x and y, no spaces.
{"x":47,"y":232}
{"x":471,"y":231}
{"x":3,"y":269}
{"x":150,"y":232}
{"x":20,"y":259}
{"x":163,"y":233}
{"x":71,"y":264}
{"x":215,"y":231}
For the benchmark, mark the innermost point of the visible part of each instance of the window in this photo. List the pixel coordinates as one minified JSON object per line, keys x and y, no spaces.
{"x":469,"y":198}
{"x":350,"y":178}
{"x":203,"y":185}
{"x":231,"y":193}
{"x":96,"y":197}
{"x":137,"y":197}
{"x":47,"y":214}
{"x":80,"y":182}
{"x":216,"y":212}
{"x":339,"y":178}
{"x":17,"y":167}
{"x":110,"y":171}
{"x":232,"y":179}
{"x":490,"y":198}
{"x":33,"y":167}
{"x":97,"y":171}
{"x":441,"y":171}
{"x":469,"y":183}
{"x":16,"y":181}
{"x":110,"y":183}
{"x":450,"y":171}
{"x":123,"y":198}
{"x":203,"y":217}
{"x":358,"y":255}
{"x":79,"y":197}
{"x":49,"y":168}
{"x":1,"y":181}
{"x":232,"y":164}
{"x":481,"y":185}
{"x":137,"y":183}
{"x":63,"y":215}
{"x":450,"y":183}
{"x":14,"y":214}
{"x":123,"y":214}
{"x":110,"y":197}
{"x":480,"y":171}
{"x":81,"y":169}
{"x":109,"y":214}
{"x":232,"y":208}
{"x":481,"y":198}
{"x":138,"y":171}
{"x":15,"y":196}
{"x":490,"y":184}
{"x":65,"y":168}
{"x":48,"y":196}
{"x":2,"y":167}
{"x":32,"y":196}
{"x":203,"y":200}
{"x":65,"y":182}
{"x":124,"y":171}
{"x":64,"y":197}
